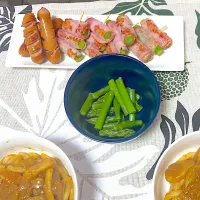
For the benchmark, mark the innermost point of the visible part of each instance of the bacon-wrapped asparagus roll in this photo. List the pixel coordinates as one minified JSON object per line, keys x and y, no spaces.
{"x":32,"y":38}
{"x":100,"y":46}
{"x":124,"y":20}
{"x":111,"y":48}
{"x":92,"y":51}
{"x":101,"y":30}
{"x":141,"y":51}
{"x":80,"y":29}
{"x":69,"y":51}
{"x":128,"y":33}
{"x":118,"y":41}
{"x":148,"y":40}
{"x":164,"y":40}
{"x":47,"y":33}
{"x":72,"y":40}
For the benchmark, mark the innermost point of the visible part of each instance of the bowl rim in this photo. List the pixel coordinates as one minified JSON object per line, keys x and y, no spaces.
{"x":50,"y":144}
{"x":104,"y":140}
{"x":170,"y":147}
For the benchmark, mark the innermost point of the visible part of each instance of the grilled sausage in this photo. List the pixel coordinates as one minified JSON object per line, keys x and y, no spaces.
{"x":57,"y":23}
{"x":32,"y":40}
{"x":47,"y":33}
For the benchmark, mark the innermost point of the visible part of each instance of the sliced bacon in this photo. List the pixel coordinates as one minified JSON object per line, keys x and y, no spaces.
{"x":80,"y":29}
{"x":72,"y":40}
{"x":164,"y":40}
{"x":69,"y":51}
{"x":111,"y":48}
{"x":101,"y":30}
{"x":149,"y":41}
{"x":92,"y":40}
{"x":118,"y":40}
{"x":141,"y":51}
{"x":92,"y":51}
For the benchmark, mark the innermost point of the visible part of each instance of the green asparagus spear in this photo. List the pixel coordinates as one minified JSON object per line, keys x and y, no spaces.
{"x":129,"y":40}
{"x":114,"y":88}
{"x":132,"y":117}
{"x":109,"y":125}
{"x":117,"y":108}
{"x":132,"y":96}
{"x":96,"y":106}
{"x":93,"y":113}
{"x":123,"y":125}
{"x":138,"y":107}
{"x":122,"y":118}
{"x":120,"y":133}
{"x":108,"y":120}
{"x":127,"y":124}
{"x":111,"y":119}
{"x":112,"y":110}
{"x":98,"y":101}
{"x":104,"y":111}
{"x":92,"y":120}
{"x":137,"y":97}
{"x":100,"y":92}
{"x":87,"y":105}
{"x":125,"y":96}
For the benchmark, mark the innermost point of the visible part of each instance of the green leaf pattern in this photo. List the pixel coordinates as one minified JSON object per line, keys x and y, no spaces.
{"x":140,"y":7}
{"x":197,"y":30}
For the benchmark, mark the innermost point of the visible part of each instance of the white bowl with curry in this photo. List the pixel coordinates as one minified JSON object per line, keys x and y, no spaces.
{"x":177,"y":175}
{"x":34,"y":168}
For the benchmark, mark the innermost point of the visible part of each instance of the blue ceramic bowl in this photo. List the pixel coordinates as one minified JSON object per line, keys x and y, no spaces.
{"x":94,"y":74}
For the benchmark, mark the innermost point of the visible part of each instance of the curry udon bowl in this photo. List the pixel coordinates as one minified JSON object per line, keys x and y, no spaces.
{"x":39,"y":145}
{"x":182,"y":146}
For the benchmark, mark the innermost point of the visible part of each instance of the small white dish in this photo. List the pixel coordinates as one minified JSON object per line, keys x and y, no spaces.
{"x":165,"y":62}
{"x":38,"y":145}
{"x":184,"y":145}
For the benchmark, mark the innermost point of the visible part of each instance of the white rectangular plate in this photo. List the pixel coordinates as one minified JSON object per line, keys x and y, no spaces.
{"x":171,"y":60}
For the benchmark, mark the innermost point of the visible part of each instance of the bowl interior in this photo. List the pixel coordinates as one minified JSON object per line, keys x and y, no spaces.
{"x":38,"y":145}
{"x":184,"y":145}
{"x":95,"y":74}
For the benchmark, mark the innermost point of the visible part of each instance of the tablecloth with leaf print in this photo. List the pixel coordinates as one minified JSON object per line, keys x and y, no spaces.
{"x":31,"y":102}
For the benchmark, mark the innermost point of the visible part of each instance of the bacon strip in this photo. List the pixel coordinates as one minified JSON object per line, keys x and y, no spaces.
{"x":69,"y":51}
{"x":80,"y":29}
{"x":72,"y":40}
{"x":101,"y":30}
{"x":128,"y":33}
{"x":141,"y":51}
{"x":92,"y":40}
{"x":118,"y":40}
{"x":164,"y":40}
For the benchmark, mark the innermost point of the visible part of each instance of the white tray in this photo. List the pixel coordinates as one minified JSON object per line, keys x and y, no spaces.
{"x":171,"y":60}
